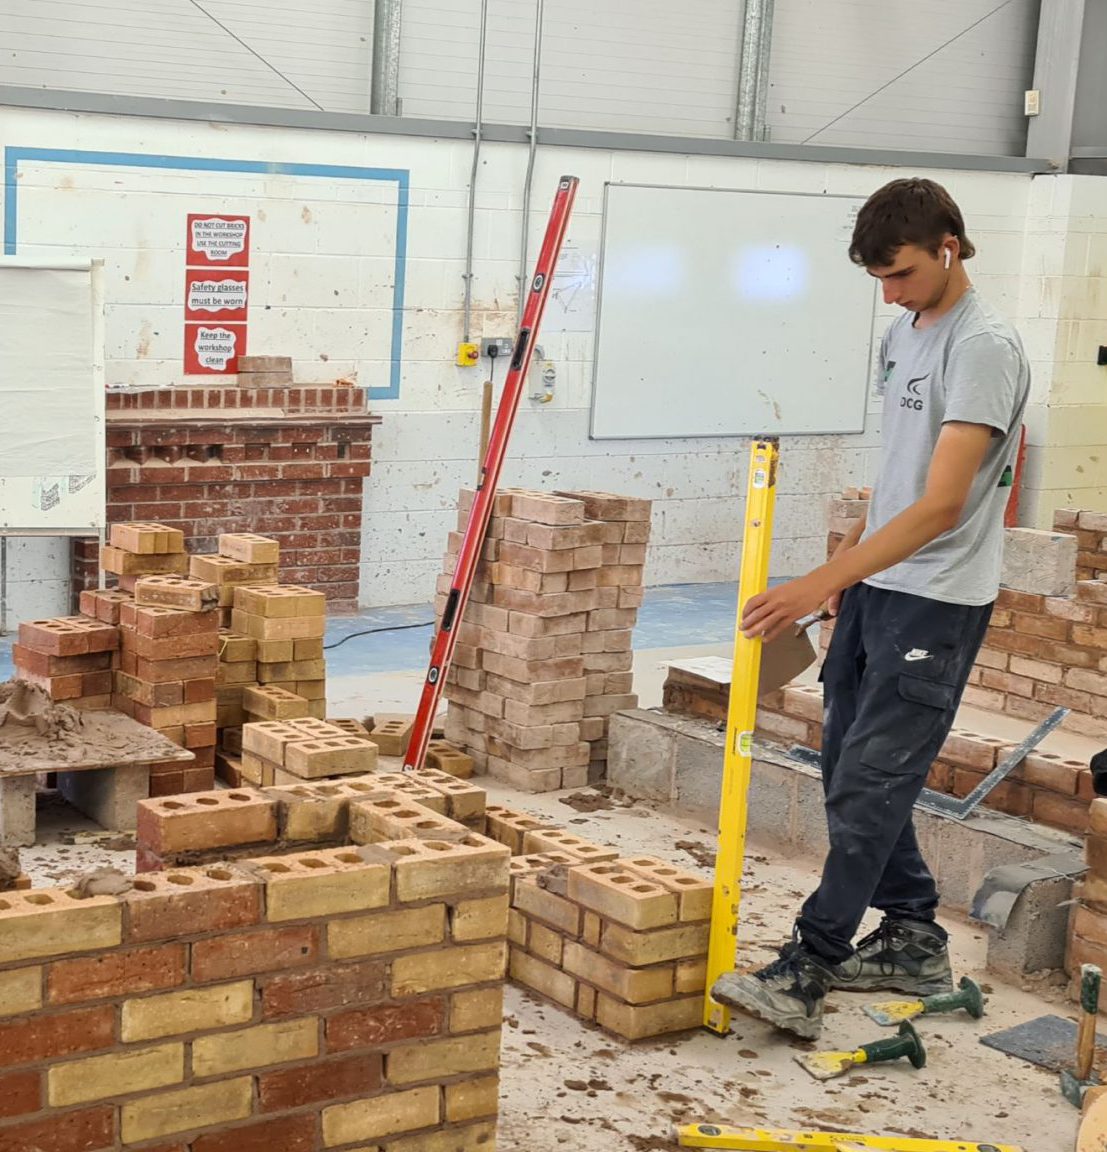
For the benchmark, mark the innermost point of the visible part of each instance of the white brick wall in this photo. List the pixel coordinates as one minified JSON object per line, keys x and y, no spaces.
{"x":322,"y":268}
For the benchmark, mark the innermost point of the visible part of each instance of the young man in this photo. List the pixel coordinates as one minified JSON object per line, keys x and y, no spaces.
{"x":919,"y":579}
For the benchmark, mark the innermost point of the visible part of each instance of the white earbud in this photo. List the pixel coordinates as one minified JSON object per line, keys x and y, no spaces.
{"x":947,"y":257}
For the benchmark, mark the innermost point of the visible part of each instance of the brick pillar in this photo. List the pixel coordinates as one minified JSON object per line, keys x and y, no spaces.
{"x":287,"y":462}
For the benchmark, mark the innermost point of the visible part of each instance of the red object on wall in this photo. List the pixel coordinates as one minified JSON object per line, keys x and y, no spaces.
{"x":213,"y":349}
{"x":216,"y":241}
{"x":212,"y":297}
{"x":215,"y":302}
{"x":1011,"y":513}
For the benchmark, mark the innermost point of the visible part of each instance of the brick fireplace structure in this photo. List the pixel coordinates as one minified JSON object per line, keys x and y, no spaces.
{"x":288,"y":462}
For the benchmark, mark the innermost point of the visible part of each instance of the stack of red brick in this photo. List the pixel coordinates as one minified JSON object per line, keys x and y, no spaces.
{"x":70,"y":657}
{"x":1090,"y":530}
{"x":153,"y":647}
{"x":544,"y":651}
{"x":1087,"y":942}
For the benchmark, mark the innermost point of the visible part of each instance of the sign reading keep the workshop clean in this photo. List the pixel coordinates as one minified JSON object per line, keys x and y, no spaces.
{"x":217,"y":291}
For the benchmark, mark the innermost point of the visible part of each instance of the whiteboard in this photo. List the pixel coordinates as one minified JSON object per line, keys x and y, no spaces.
{"x":52,"y":454}
{"x":729,"y":313}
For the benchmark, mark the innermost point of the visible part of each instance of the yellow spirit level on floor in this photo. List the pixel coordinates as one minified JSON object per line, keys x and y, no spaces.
{"x":741,"y":715}
{"x":775,"y":1140}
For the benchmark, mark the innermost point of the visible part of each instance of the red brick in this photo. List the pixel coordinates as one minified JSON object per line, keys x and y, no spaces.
{"x":159,"y":623}
{"x":122,"y":973}
{"x":373,"y":1027}
{"x":33,"y":1038}
{"x":322,"y":1080}
{"x":158,"y":909}
{"x":1050,"y":627}
{"x":288,"y":1134}
{"x":1020,"y":601}
{"x":198,"y":779}
{"x":323,"y":989}
{"x":227,"y":956}
{"x":43,"y":664}
{"x":1007,"y":682}
{"x":20,"y":1093}
{"x":85,"y":1131}
{"x":167,"y":671}
{"x":1060,"y":811}
{"x":1053,"y":773}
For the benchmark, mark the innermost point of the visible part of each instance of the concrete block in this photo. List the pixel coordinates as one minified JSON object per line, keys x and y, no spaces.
{"x":17,"y":811}
{"x":109,"y":795}
{"x":1034,"y":936}
{"x":1042,"y":563}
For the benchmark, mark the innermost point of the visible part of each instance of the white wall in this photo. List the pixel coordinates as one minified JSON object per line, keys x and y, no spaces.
{"x":1065,"y":310}
{"x":277,"y":53}
{"x":947,"y":75}
{"x":322,"y":253}
{"x":944,"y":76}
{"x":671,"y":69}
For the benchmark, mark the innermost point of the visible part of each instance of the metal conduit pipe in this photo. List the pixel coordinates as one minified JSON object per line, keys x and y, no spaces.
{"x":753,"y":70}
{"x":535,"y":79}
{"x":384,"y":87}
{"x":478,"y":135}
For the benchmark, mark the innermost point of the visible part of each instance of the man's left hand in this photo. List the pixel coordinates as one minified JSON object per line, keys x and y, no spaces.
{"x":768,"y":614}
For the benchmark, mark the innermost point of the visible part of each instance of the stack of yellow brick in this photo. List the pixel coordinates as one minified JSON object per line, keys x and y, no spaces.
{"x":287,"y":623}
{"x":288,"y":751}
{"x":622,"y":942}
{"x":143,"y":549}
{"x":244,"y":559}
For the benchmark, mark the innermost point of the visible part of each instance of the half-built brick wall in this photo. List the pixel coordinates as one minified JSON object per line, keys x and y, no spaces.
{"x":330,"y":998}
{"x":286,"y":462}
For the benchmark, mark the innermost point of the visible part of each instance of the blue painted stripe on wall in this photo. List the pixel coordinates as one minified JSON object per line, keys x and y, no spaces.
{"x":401,"y":176}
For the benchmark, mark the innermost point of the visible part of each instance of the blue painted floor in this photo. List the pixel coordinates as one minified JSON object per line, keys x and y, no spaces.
{"x":670,"y":617}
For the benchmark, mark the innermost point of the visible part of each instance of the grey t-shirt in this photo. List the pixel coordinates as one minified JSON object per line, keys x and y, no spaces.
{"x":968,"y":367}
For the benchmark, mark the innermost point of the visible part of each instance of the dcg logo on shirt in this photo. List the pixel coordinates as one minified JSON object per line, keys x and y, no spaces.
{"x":913,"y":399}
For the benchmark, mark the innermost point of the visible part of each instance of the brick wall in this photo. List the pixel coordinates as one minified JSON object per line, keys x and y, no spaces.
{"x":288,"y":462}
{"x":619,"y":941}
{"x":326,"y":997}
{"x":1043,"y":649}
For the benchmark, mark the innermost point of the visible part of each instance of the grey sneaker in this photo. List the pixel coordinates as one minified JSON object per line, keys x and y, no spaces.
{"x":900,"y":956}
{"x":788,"y":992}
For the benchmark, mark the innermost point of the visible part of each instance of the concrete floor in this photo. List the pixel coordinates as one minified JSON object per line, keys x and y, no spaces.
{"x":568,"y":1085}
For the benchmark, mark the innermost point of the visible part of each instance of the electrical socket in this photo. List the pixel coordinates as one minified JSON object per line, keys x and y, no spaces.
{"x":504,"y":346}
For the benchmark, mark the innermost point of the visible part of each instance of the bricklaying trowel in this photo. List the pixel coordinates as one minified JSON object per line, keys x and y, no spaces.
{"x":827,"y":1065}
{"x":892,"y":1012}
{"x":788,"y":656}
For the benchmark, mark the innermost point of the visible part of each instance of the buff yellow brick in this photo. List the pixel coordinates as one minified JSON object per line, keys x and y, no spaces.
{"x":46,"y":923}
{"x":388,"y":1115}
{"x":475,"y":1138}
{"x":106,"y":1077}
{"x":448,"y":968}
{"x":480,"y":919}
{"x":394,"y":931}
{"x":20,"y":991}
{"x":255,"y":1047}
{"x":202,"y":1106}
{"x":437,"y":1059}
{"x":472,"y":1099}
{"x":476,"y":1009}
{"x":306,"y":887}
{"x":195,"y":1010}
